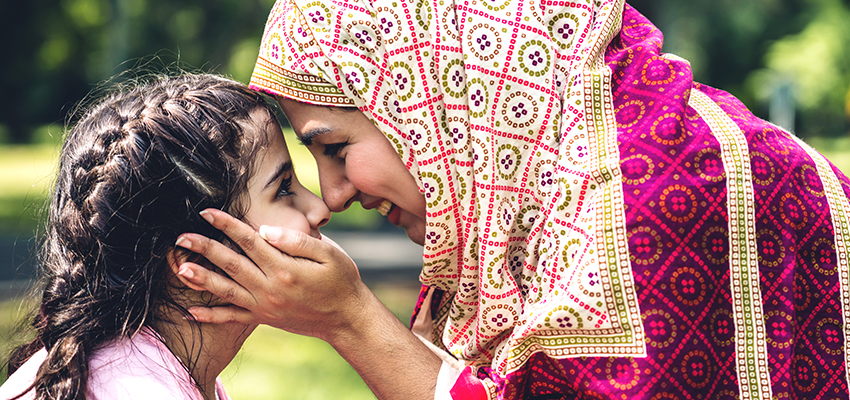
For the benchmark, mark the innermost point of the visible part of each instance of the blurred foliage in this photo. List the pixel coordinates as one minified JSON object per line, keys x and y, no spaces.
{"x":27,"y":172}
{"x":55,"y":51}
{"x":749,"y":48}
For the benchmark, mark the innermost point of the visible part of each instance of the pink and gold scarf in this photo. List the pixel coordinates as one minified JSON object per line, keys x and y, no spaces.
{"x":502,"y":110}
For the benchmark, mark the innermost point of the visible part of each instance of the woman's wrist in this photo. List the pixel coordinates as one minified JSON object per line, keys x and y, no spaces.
{"x":392,"y":361}
{"x":361,"y":315}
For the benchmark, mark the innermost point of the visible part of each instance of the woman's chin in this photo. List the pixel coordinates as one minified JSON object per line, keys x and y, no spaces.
{"x":416,"y":231}
{"x":416,"y":236}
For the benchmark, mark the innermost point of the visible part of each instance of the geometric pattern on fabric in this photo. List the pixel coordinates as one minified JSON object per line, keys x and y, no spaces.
{"x":456,"y":113}
{"x":675,"y":188}
{"x":502,"y":112}
{"x":840,"y":212}
{"x":798,"y":260}
{"x":750,"y":339}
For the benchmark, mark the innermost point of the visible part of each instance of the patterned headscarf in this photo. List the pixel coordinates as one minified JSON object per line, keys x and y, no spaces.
{"x":502,"y":112}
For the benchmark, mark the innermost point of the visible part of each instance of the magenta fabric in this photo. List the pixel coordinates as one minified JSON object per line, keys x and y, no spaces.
{"x":678,"y":228}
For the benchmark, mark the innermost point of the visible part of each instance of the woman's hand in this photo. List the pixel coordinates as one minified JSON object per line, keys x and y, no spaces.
{"x":311,"y":287}
{"x":289,"y":280}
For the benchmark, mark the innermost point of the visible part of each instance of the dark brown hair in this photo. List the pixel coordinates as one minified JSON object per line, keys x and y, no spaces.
{"x":134,"y":172}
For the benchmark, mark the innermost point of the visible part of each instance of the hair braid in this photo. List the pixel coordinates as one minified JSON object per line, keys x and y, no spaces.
{"x":134,"y":172}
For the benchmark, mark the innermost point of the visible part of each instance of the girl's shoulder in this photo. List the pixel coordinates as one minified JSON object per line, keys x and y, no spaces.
{"x":23,"y":378}
{"x":130,"y":367}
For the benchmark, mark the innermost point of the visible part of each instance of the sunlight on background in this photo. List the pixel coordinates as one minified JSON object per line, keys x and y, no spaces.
{"x":788,"y":61}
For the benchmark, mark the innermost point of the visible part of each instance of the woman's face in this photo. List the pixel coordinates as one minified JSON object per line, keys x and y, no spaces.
{"x":276,"y":197}
{"x":357,"y":163}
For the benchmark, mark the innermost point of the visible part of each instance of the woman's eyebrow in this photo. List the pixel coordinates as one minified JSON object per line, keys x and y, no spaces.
{"x":307,"y":137}
{"x":284,"y":168}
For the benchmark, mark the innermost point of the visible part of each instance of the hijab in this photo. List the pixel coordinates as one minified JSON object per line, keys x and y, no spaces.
{"x":502,"y":111}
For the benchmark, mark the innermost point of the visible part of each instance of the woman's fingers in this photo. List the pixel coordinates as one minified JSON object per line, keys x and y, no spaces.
{"x":244,"y":236}
{"x":297,"y":243}
{"x":197,"y":276}
{"x":238,"y":267}
{"x":186,"y":282}
{"x":223,"y":315}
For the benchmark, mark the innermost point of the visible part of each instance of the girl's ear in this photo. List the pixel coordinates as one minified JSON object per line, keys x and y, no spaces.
{"x":175,"y":258}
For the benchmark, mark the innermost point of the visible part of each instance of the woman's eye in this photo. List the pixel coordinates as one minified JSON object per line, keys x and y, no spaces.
{"x":285,"y":186}
{"x":333,"y":149}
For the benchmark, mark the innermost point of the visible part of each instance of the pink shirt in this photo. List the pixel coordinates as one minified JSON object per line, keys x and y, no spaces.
{"x":137,"y":368}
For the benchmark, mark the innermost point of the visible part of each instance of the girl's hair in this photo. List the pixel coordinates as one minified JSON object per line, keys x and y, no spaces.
{"x":134,"y":172}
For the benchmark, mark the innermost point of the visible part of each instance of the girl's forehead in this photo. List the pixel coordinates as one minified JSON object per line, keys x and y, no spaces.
{"x":262,"y":126}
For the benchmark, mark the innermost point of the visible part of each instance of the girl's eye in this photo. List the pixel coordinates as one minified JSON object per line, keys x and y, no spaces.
{"x":333,"y":149}
{"x":285,"y":186}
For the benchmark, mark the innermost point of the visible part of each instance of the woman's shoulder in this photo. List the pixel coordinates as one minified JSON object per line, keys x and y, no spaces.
{"x":138,"y":366}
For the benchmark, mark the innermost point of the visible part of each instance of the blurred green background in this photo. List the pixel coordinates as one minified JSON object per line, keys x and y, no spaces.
{"x":788,"y":60}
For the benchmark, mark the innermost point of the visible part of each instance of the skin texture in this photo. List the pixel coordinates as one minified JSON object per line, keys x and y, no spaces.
{"x":275,"y":197}
{"x":356,"y":162}
{"x":293,"y":281}
{"x":307,"y":286}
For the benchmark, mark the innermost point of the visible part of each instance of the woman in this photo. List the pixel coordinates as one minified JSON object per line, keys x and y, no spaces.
{"x":596,"y":224}
{"x":134,"y":172}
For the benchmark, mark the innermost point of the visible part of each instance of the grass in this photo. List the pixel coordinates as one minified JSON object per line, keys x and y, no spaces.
{"x":26,"y":173}
{"x":272,"y":364}
{"x":12,"y":312}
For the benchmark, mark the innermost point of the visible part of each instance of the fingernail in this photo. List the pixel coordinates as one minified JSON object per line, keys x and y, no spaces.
{"x":183,"y":242}
{"x":207,"y":216}
{"x":186,"y":273}
{"x":270,"y":233}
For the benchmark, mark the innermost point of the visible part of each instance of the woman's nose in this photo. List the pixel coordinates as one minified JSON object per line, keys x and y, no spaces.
{"x":337,"y":191}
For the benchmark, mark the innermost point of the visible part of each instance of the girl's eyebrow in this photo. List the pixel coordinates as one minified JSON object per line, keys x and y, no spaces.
{"x":282,"y":169}
{"x":306,"y":139}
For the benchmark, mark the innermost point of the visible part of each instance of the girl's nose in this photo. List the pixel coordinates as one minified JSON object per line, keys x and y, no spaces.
{"x":314,"y":210}
{"x":318,"y":213}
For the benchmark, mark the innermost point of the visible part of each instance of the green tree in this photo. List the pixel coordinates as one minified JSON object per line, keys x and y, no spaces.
{"x":56,"y":50}
{"x":749,"y":47}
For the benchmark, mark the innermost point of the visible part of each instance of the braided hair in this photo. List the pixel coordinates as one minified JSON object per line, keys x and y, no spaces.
{"x":134,"y":172}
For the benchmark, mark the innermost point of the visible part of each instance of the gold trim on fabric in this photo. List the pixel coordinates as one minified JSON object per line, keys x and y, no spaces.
{"x":839,"y":209}
{"x":302,"y":87}
{"x":750,"y":337}
{"x":626,"y":337}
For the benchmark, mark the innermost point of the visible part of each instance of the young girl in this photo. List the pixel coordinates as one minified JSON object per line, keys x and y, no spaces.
{"x":134,"y":173}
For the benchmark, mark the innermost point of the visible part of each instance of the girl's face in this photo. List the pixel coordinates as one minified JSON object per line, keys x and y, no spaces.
{"x":276,"y":197}
{"x":357,"y":163}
